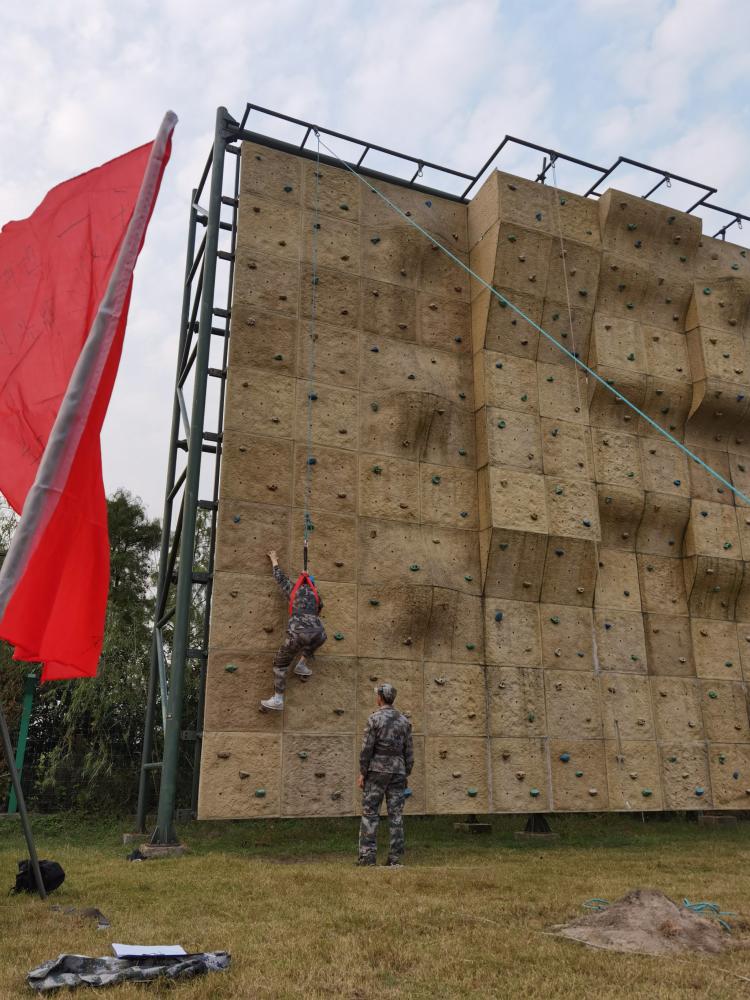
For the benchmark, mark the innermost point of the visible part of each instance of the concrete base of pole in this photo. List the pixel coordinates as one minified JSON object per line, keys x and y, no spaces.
{"x":154,"y":851}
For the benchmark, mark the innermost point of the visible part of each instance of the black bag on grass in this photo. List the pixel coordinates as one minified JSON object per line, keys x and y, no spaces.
{"x":53,"y":876}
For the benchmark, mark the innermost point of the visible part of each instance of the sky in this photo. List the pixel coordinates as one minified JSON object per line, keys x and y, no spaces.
{"x":81,"y":81}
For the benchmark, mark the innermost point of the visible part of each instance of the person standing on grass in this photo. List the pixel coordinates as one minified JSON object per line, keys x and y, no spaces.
{"x":385,"y":763}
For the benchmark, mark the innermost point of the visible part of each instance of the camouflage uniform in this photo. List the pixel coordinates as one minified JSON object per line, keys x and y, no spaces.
{"x":304,"y":631}
{"x":385,"y":762}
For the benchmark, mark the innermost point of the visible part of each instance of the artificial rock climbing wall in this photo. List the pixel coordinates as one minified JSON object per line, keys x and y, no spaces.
{"x":559,"y":595}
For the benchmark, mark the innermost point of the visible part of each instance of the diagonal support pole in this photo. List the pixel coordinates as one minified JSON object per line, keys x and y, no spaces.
{"x":16,"y":781}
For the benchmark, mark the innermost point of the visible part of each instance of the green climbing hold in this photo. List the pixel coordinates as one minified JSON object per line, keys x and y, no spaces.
{"x":260,"y":793}
{"x":559,"y":491}
{"x":531,"y":717}
{"x":706,"y":291}
{"x":646,"y":793}
{"x":579,"y":774}
{"x":471,"y":792}
{"x":377,"y":469}
{"x":302,"y":754}
{"x":672,"y":760}
{"x":632,"y":226}
{"x":462,"y":395}
{"x":414,"y":567}
{"x":629,"y":305}
{"x":555,"y":620}
{"x":562,"y":201}
{"x":501,"y":424}
{"x":287,"y":188}
{"x":512,"y":238}
{"x":338,"y":636}
{"x":555,"y":316}
{"x":727,"y":663}
{"x":631,"y":475}
{"x":435,"y":480}
{"x":461,"y":451}
{"x":713,"y":694}
{"x":735,"y":267}
{"x":278,"y":357}
{"x":231,"y":668}
{"x":631,"y":357}
{"x":503,"y":546}
{"x":671,"y":219}
{"x":374,"y":407}
{"x":727,"y":545}
{"x":534,"y":793}
{"x":524,"y":397}
{"x":634,"y":658}
{"x":583,"y":292}
{"x":470,"y":645}
{"x":722,"y":758}
{"x":468,"y":578}
{"x":683,"y":259}
{"x":344,"y":207}
{"x":374,"y":602}
{"x":550,"y":378}
{"x":375,"y":240}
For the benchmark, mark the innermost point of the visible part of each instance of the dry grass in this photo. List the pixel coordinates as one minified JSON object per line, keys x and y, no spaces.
{"x":465,"y":919}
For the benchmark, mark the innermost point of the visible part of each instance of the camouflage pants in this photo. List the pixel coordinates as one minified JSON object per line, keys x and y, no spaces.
{"x":302,"y":637}
{"x":377,"y":785}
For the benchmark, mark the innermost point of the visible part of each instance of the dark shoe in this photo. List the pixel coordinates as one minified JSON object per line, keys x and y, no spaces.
{"x":394,"y":863}
{"x":365,"y":862}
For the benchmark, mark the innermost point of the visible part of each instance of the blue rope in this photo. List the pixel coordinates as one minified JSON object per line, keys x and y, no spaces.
{"x":501,"y":298}
{"x":712,"y":908}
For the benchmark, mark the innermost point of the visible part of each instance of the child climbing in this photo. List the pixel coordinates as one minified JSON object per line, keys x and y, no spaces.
{"x":304,"y":633}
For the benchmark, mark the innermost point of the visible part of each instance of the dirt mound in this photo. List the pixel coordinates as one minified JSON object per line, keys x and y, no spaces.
{"x":649,"y":923}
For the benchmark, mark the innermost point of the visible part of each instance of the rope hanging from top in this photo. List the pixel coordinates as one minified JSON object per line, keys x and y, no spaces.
{"x":501,"y":298}
{"x":311,"y":396}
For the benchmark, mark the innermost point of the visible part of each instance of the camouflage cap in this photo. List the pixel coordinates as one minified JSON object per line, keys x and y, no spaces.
{"x":387,"y":692}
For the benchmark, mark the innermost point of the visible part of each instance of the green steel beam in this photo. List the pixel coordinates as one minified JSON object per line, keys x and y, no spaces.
{"x":164,"y":832}
{"x":29,"y":686}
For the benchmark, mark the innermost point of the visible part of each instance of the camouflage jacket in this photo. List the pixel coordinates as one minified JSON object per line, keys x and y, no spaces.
{"x":387,"y":744}
{"x":306,"y":608}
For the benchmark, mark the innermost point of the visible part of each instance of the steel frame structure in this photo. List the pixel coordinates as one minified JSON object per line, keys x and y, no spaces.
{"x":202,"y":320}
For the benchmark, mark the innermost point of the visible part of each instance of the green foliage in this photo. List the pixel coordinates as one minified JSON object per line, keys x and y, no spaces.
{"x":86,"y":735}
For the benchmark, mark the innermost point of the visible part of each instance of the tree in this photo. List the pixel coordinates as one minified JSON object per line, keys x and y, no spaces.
{"x":86,"y":735}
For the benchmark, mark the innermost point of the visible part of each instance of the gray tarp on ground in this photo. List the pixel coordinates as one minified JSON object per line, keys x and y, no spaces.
{"x":80,"y":970}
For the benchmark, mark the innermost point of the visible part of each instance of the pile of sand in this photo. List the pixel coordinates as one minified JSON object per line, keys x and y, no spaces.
{"x":649,"y":923}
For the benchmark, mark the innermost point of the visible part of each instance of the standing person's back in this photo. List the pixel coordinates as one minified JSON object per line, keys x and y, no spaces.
{"x":386,"y":761}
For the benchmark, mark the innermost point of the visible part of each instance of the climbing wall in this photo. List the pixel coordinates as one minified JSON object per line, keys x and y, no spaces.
{"x":558,"y":594}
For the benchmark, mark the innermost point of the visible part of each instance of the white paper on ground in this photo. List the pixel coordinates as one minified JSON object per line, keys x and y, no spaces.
{"x":137,"y":950}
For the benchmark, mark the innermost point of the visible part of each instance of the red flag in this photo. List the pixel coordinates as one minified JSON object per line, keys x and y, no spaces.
{"x":66,"y":275}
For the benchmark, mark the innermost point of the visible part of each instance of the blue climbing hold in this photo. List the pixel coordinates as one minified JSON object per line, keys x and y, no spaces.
{"x":236,"y":518}
{"x":498,"y":616}
{"x":565,"y":757}
{"x":428,"y":203}
{"x":312,"y":461}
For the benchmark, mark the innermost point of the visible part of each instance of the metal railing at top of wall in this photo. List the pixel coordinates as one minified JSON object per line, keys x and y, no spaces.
{"x":445,"y":176}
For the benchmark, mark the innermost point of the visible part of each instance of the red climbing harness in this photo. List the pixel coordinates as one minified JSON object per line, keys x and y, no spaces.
{"x":302,"y":579}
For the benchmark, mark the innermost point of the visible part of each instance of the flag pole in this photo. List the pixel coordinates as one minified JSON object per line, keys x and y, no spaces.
{"x":21,"y":802}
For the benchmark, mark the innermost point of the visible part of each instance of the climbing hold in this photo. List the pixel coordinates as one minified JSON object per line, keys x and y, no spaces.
{"x":727,"y":663}
{"x":727,"y":545}
{"x":375,"y":349}
{"x":579,"y":774}
{"x":374,"y":407}
{"x":677,"y":482}
{"x":471,"y":792}
{"x":498,"y":364}
{"x":338,"y":636}
{"x":231,"y":668}
{"x":463,"y":513}
{"x":278,"y":357}
{"x":607,"y":626}
{"x":375,"y":240}
{"x":586,"y":522}
{"x":462,"y":395}
{"x":713,"y":694}
{"x":550,"y":378}
{"x":629,"y":305}
{"x":559,"y":490}
{"x":414,"y":567}
{"x":706,"y":291}
{"x":501,"y":424}
{"x":377,"y":469}
{"x":512,"y":238}
{"x":470,"y":645}
{"x":436,"y":480}
{"x":593,"y":792}
{"x":631,"y":357}
{"x":646,"y":793}
{"x":236,"y":518}
{"x":565,"y":757}
{"x":559,"y":552}
{"x":534,"y":793}
{"x":260,"y":793}
{"x":428,"y":203}
{"x":555,"y":620}
{"x":634,"y":658}
{"x":312,"y":396}
{"x":461,"y":451}
{"x":632,"y":226}
{"x":498,"y":616}
{"x":468,"y":578}
{"x":503,"y":546}
{"x":524,"y":397}
{"x":411,"y":376}
{"x":638,"y":244}
{"x":530,"y":717}
{"x":699,"y":791}
{"x":374,"y":602}
{"x":312,"y":461}
{"x":302,"y":754}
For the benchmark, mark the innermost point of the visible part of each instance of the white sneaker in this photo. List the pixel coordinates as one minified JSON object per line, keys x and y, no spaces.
{"x":275,"y":704}
{"x":302,"y":669}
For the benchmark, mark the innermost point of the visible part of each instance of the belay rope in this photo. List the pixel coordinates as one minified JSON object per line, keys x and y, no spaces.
{"x":311,"y":355}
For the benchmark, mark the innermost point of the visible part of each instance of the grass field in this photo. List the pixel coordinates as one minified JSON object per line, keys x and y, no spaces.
{"x":466,"y":918}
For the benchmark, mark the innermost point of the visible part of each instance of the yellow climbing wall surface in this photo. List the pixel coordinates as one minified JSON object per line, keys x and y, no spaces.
{"x":559,"y":595}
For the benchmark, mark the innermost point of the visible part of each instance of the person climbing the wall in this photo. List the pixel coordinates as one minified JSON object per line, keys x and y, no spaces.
{"x":304,"y":633}
{"x":385,"y":764}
